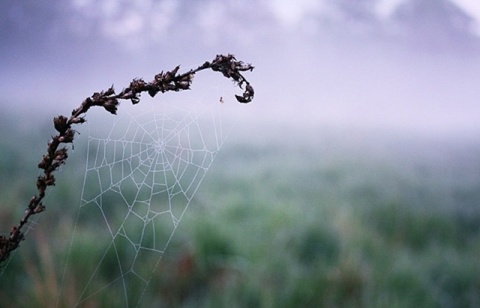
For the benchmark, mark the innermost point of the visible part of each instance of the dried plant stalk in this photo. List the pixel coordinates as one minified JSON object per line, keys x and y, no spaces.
{"x":55,"y":156}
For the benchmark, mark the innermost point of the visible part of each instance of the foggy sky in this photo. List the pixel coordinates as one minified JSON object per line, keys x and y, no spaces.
{"x":408,"y":65}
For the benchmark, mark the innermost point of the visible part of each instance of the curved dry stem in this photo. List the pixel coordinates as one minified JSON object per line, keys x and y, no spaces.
{"x":55,"y":156}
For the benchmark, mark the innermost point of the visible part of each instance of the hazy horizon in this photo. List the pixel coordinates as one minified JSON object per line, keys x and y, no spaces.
{"x":406,"y":66}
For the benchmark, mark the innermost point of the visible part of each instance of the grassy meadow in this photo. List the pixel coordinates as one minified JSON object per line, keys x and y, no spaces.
{"x":286,"y":219}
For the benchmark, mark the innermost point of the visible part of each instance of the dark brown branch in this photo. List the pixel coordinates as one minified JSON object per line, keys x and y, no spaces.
{"x":55,"y":156}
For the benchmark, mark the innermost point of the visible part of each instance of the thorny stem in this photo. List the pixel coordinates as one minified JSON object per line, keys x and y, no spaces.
{"x":55,"y":157}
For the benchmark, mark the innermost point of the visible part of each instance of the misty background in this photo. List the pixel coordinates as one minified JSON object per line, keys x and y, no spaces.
{"x":355,"y":169}
{"x":403,"y":66}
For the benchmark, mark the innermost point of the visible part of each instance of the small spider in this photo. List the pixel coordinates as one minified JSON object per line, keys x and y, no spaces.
{"x":221,"y":100}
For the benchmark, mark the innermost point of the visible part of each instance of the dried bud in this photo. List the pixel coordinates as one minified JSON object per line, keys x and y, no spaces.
{"x":175,"y":70}
{"x":183,"y":85}
{"x":110,"y":91}
{"x":41,"y":185}
{"x":187,"y":77}
{"x":241,"y":99}
{"x":170,"y":87}
{"x":236,"y":76}
{"x":50,"y":180}
{"x":68,"y":136}
{"x":152,"y":91}
{"x":86,"y":104}
{"x":31,"y":204}
{"x":96,"y":97}
{"x":240,"y":66}
{"x":167,"y":77}
{"x":135,"y":100}
{"x":111,"y":105}
{"x":16,"y":233}
{"x":52,"y":143}
{"x":61,"y":154}
{"x":44,"y":162}
{"x":60,"y":124}
{"x":137,"y":85}
{"x":159,"y":77}
{"x":39,"y":208}
{"x":77,"y":120}
{"x":249,"y":89}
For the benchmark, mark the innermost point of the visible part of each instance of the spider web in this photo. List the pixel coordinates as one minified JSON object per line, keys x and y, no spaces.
{"x":141,"y":176}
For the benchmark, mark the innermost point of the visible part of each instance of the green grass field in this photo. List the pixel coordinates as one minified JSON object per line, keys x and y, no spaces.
{"x":292,"y":221}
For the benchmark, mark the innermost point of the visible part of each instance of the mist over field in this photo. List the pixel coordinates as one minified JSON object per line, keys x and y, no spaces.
{"x":410,"y":66}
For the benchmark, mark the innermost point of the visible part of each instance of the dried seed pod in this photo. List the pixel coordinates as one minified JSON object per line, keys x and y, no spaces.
{"x":50,"y":180}
{"x":39,"y":208}
{"x":60,"y":124}
{"x":111,"y":105}
{"x":135,"y":100}
{"x":159,"y":76}
{"x":43,"y":164}
{"x":241,"y":99}
{"x":61,"y":155}
{"x":152,"y":91}
{"x":183,"y":85}
{"x":137,"y":85}
{"x":41,"y":184}
{"x":187,"y":77}
{"x":110,"y":91}
{"x":32,"y":202}
{"x":77,"y":120}
{"x":68,"y":137}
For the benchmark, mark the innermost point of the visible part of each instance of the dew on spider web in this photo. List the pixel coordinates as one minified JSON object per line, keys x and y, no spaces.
{"x":140,"y":178}
{"x":159,"y":146}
